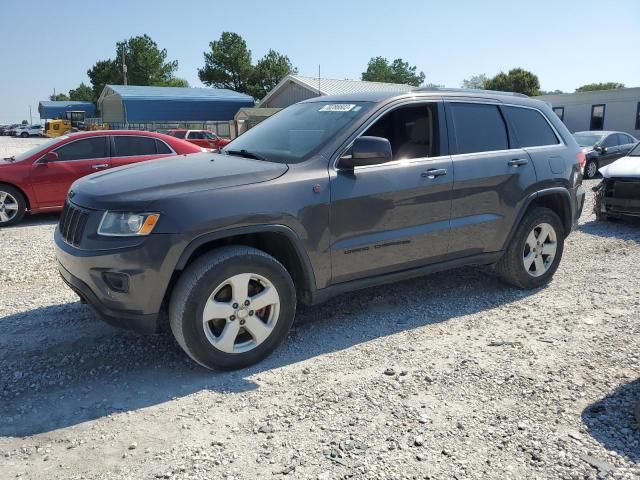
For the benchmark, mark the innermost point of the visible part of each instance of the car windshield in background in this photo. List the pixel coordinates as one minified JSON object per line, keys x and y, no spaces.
{"x":587,"y":139}
{"x":298,"y":131}
{"x":34,"y":150}
{"x":635,"y":151}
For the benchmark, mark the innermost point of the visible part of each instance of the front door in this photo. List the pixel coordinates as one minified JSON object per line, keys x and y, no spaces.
{"x":76,"y":159}
{"x":394,"y":216}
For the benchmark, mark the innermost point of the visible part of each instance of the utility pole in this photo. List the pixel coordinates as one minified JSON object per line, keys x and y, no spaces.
{"x":124,"y":67}
{"x":30,"y":117}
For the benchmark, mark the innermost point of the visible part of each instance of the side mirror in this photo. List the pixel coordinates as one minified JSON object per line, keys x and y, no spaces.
{"x":50,"y":157}
{"x":600,"y":149}
{"x":367,"y":151}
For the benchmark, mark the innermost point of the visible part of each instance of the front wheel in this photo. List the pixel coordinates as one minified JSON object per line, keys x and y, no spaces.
{"x":232,"y":307}
{"x":24,"y":135}
{"x":12,"y":206}
{"x":535,"y":250}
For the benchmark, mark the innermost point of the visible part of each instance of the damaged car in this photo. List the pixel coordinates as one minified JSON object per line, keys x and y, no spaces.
{"x":618,"y":195}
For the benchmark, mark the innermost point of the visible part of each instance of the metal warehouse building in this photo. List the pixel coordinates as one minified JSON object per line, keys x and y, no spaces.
{"x":54,"y":110}
{"x":137,"y":104}
{"x":296,"y":88}
{"x":599,"y":110}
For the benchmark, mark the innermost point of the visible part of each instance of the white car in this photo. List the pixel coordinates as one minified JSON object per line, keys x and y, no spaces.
{"x":618,"y":195}
{"x":28,"y":131}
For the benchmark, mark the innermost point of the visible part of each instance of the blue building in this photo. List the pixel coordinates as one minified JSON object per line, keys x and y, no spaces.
{"x":122,"y":104}
{"x":54,"y":110}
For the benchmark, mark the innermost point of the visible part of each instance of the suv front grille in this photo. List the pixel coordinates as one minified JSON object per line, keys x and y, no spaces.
{"x":626,"y":189}
{"x":72,"y":223}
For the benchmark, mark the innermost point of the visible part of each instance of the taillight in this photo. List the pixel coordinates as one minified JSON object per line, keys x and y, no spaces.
{"x":582,"y":159}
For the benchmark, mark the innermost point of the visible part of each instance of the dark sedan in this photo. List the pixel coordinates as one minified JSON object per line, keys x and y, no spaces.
{"x":603,"y":148}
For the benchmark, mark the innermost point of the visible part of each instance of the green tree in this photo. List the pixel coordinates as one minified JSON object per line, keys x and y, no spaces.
{"x":380,"y":70}
{"x":476,"y":81}
{"x":59,"y":97}
{"x":177,"y":82}
{"x":227,"y":64}
{"x":82,"y":94}
{"x":268,"y":72}
{"x":516,"y":80}
{"x":590,"y":87}
{"x":147,"y":64}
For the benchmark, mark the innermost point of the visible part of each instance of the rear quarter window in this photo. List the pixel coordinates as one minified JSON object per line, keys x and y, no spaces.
{"x":531,"y":128}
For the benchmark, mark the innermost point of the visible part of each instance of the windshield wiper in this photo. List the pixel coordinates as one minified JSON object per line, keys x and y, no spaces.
{"x":11,"y":159}
{"x":246,"y":154}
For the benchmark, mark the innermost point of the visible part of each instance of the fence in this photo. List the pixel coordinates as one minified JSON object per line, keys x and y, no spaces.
{"x":219,"y":128}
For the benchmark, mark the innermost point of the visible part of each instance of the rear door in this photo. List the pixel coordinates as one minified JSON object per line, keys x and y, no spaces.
{"x":394,"y":216}
{"x":612,"y":152}
{"x":128,"y":149}
{"x":627,"y":142}
{"x":491,"y":177}
{"x":76,"y":159}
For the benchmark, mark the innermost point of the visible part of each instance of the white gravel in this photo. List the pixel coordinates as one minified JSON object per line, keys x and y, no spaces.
{"x":449,"y":376}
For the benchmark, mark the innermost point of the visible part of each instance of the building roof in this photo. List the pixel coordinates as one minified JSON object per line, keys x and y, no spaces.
{"x":139,"y":92}
{"x":65,"y":103}
{"x":57,"y":109}
{"x":259,"y":112}
{"x":330,"y":86}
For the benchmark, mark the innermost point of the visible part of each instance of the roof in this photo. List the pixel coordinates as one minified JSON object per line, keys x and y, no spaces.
{"x":57,"y":109}
{"x":621,"y":93}
{"x":172,"y":93}
{"x":259,"y":112}
{"x":65,"y":103}
{"x":330,"y":86}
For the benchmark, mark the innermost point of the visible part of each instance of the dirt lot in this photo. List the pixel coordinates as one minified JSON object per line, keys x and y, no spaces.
{"x":450,"y":376}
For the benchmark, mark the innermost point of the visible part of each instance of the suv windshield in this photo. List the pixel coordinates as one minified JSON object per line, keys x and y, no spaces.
{"x":297,"y":132}
{"x":587,"y":139}
{"x":635,"y":151}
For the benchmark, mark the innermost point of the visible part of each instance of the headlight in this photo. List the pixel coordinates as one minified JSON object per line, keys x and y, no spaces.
{"x":125,"y":224}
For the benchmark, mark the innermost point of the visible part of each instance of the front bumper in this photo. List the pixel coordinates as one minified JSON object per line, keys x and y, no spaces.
{"x":147,"y":268}
{"x":577,"y":199}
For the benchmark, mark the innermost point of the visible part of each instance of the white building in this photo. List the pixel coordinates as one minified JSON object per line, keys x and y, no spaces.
{"x":599,"y":110}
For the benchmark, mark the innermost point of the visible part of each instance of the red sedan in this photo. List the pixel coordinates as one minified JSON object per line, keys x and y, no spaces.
{"x":38,"y":180}
{"x":202,"y":138}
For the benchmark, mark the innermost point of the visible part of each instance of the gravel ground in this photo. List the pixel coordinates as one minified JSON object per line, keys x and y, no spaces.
{"x":454,"y":375}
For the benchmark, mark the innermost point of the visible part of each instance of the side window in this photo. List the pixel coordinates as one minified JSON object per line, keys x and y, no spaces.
{"x":531,"y":128}
{"x":412,"y":131}
{"x":478,"y":128}
{"x":86,"y":149}
{"x":597,"y":117}
{"x":162,"y":148}
{"x":180,"y":134}
{"x":559,"y":111}
{"x":132,"y":145}
{"x":195,"y":136}
{"x":610,"y":141}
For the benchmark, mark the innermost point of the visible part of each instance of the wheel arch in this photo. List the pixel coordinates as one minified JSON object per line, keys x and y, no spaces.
{"x":21,"y":190}
{"x":279,"y":241}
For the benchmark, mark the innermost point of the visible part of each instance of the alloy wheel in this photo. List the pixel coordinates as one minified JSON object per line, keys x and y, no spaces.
{"x":8,"y":207}
{"x":540,"y":249}
{"x":592,"y":169}
{"x":241,"y":313}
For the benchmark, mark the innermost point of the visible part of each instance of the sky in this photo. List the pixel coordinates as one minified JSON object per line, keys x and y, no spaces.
{"x":567,"y":43}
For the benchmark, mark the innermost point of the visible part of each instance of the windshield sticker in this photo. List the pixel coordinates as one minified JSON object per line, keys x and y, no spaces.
{"x":337,"y":107}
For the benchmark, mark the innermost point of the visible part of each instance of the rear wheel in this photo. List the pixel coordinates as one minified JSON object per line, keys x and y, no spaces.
{"x":12,"y":206}
{"x":24,"y":134}
{"x":535,"y":251}
{"x":591,"y":169}
{"x":232,"y":307}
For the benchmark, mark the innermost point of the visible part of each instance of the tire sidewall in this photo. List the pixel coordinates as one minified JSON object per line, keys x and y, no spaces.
{"x":22,"y":205}
{"x":192,"y":326}
{"x":586,"y":169}
{"x":536,"y":217}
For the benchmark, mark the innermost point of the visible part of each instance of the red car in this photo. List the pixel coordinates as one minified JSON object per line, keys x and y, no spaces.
{"x":202,"y":138}
{"x":37,"y":180}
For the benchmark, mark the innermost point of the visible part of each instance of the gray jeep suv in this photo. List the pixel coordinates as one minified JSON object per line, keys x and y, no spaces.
{"x":329,"y":195}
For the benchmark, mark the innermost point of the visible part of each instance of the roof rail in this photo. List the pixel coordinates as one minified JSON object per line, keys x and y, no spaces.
{"x":469,"y":90}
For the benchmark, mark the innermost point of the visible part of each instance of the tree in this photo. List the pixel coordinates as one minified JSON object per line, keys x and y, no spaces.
{"x":81,"y":94}
{"x":476,"y":81}
{"x":590,"y":87}
{"x":550,"y":92}
{"x":516,"y":80}
{"x":268,"y":72}
{"x":24,"y":122}
{"x":380,"y":70}
{"x":227,"y":64}
{"x":177,"y":82}
{"x":59,"y":97}
{"x":147,"y":64}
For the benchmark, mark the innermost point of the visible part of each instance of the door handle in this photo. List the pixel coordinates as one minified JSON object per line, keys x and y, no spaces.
{"x":516,"y":162}
{"x":434,"y":172}
{"x":100,"y":166}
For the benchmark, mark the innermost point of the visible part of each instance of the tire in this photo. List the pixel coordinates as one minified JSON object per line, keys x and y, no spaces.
{"x":24,"y":135}
{"x":511,"y":267}
{"x":597,"y":203}
{"x":13,"y":205}
{"x":221,"y":271}
{"x":591,"y":169}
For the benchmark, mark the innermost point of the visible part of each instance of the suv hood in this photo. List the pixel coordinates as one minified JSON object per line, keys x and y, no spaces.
{"x":624,"y":167}
{"x":135,"y":186}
